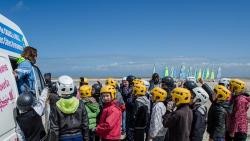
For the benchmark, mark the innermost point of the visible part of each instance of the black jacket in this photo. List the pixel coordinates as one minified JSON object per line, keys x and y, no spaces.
{"x":31,"y":125}
{"x":179,"y":123}
{"x":198,"y":124}
{"x":216,"y":125}
{"x":69,"y":124}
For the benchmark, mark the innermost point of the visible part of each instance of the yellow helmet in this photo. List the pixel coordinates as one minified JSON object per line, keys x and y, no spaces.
{"x":138,"y":82}
{"x":158,"y":94}
{"x":109,"y":89}
{"x":237,"y":85}
{"x":221,"y":93}
{"x":181,"y":96}
{"x":85,"y":91}
{"x":111,"y":82}
{"x":139,"y":90}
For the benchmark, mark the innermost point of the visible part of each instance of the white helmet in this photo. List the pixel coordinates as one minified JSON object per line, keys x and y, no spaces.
{"x":200,"y":96}
{"x":191,"y":78}
{"x":146,"y":83}
{"x":124,"y":79}
{"x":225,"y":82}
{"x":65,"y":86}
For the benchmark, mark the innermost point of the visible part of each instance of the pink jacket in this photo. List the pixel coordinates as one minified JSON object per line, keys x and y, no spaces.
{"x":239,"y":120}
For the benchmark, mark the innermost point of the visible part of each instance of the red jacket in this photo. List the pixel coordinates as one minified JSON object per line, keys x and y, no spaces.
{"x":239,"y":121}
{"x":110,"y":122}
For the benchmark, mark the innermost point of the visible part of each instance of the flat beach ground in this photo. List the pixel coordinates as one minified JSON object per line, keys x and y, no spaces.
{"x":211,"y":84}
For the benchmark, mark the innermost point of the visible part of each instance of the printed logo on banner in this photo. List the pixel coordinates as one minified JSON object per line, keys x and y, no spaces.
{"x":10,"y":39}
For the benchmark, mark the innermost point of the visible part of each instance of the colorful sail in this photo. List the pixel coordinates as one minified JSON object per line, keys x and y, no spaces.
{"x":199,"y":74}
{"x":172,"y":72}
{"x":196,"y":74}
{"x":175,"y":73}
{"x":154,"y":69}
{"x":218,"y":73}
{"x":182,"y":72}
{"x":166,"y":72}
{"x":191,"y":71}
{"x":188,"y":72}
{"x":207,"y":74}
{"x":212,"y":76}
{"x":203,"y":74}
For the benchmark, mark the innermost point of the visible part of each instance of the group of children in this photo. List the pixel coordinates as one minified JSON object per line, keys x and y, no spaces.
{"x":137,"y":110}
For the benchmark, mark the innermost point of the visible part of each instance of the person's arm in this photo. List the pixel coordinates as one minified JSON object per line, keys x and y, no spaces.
{"x":151,"y":85}
{"x":85,"y":124}
{"x":120,"y":98}
{"x":54,"y":125}
{"x":155,"y":122}
{"x":40,"y":103}
{"x":197,"y":126}
{"x":19,"y":132}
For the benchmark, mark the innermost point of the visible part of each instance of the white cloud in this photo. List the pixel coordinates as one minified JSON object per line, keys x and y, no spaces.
{"x":141,"y":65}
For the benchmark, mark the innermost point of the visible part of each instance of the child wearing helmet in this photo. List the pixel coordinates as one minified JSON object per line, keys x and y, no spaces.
{"x":109,"y":127}
{"x":29,"y":116}
{"x":224,"y":82}
{"x":157,"y":131}
{"x":91,"y":106}
{"x":179,"y":122}
{"x":68,"y":118}
{"x":217,"y":114}
{"x":228,"y":105}
{"x":200,"y":97}
{"x":238,"y":125}
{"x":141,"y":112}
{"x":119,"y":97}
{"x":113,"y":83}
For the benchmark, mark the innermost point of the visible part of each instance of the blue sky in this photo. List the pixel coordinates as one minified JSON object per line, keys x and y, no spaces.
{"x":120,"y":37}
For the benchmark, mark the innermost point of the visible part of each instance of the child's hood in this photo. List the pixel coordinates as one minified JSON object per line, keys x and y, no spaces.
{"x":145,"y":101}
{"x":89,"y":100}
{"x":91,"y":104}
{"x":68,"y":106}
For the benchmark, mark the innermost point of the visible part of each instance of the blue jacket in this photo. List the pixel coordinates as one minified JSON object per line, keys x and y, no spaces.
{"x":26,"y":77}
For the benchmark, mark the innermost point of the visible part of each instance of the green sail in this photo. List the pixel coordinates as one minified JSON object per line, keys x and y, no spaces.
{"x":207,"y":74}
{"x":212,"y":76}
{"x":166,"y":71}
